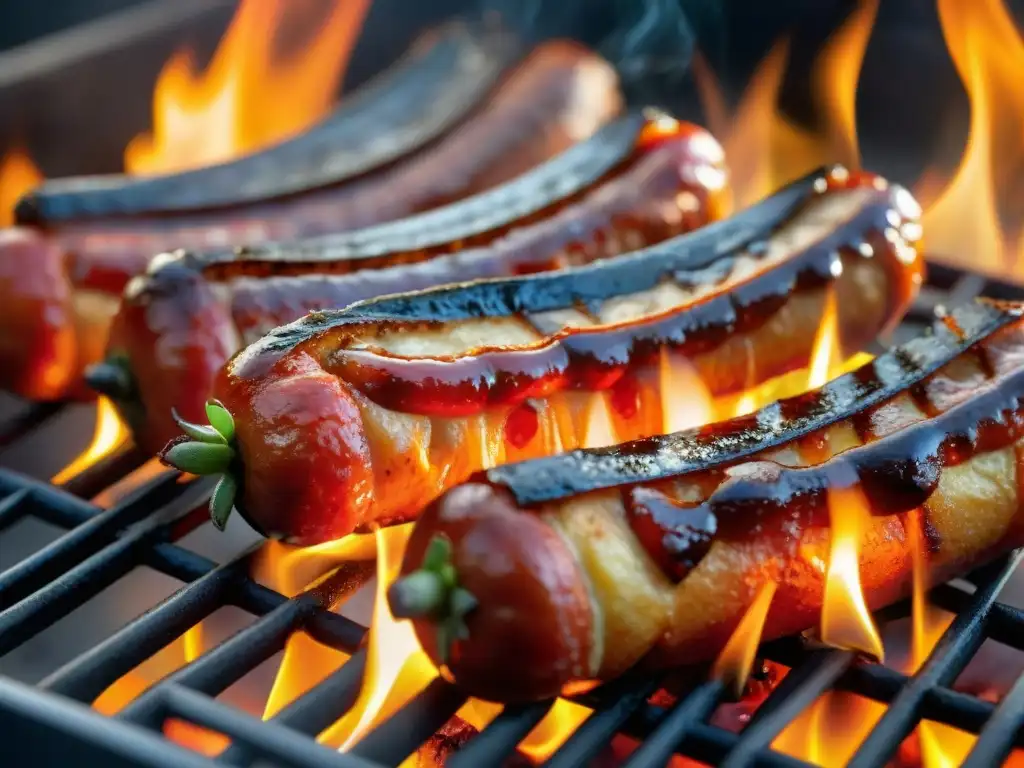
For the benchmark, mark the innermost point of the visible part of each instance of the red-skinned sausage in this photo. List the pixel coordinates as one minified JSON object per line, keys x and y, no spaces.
{"x":181,"y":322}
{"x":353,"y":418}
{"x":81,"y":240}
{"x":580,"y":566}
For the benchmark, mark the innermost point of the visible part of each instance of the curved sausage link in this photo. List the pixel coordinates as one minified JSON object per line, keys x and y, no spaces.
{"x":558,"y":96}
{"x":352,"y":418}
{"x":181,"y":323}
{"x":654,"y":551}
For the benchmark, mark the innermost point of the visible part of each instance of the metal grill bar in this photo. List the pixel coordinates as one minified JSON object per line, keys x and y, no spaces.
{"x":1001,"y":730}
{"x":617,"y":703}
{"x":88,"y":738}
{"x":283,"y":746}
{"x":958,"y":643}
{"x":316,"y":709}
{"x":411,"y":726}
{"x":798,"y":690}
{"x":680,"y":722}
{"x":101,"y":546}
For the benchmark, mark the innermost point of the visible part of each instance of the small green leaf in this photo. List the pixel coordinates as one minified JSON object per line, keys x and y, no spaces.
{"x":220,"y":419}
{"x":199,"y":458}
{"x":461,"y":602}
{"x":438,"y":554}
{"x":444,"y":641}
{"x":420,"y":593}
{"x":223,"y":500}
{"x":200,"y":432}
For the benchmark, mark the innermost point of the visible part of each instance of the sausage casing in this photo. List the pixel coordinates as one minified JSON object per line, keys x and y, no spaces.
{"x":559,"y":95}
{"x":657,"y":548}
{"x":179,"y":323}
{"x":405,"y":396}
{"x":654,"y":550}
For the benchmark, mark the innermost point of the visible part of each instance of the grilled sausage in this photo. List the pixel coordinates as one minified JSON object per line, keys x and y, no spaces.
{"x":635,"y":183}
{"x":84,"y":239}
{"x":357,"y":417}
{"x":580,"y":566}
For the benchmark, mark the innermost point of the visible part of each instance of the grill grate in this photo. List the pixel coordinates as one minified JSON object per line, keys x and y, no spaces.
{"x":52,"y":722}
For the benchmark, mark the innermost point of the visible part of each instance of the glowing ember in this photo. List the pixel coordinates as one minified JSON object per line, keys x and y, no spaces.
{"x":845,"y":619}
{"x":109,"y":435}
{"x":18,"y":174}
{"x":734,"y":663}
{"x":246,"y":98}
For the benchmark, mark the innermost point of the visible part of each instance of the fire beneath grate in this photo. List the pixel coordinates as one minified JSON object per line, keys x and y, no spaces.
{"x":637,"y":721}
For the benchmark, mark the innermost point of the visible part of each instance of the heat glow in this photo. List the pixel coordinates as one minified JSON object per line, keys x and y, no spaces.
{"x":109,"y":435}
{"x":18,"y":174}
{"x":734,"y":663}
{"x":250,"y":95}
{"x":964,"y":218}
{"x":845,"y":619}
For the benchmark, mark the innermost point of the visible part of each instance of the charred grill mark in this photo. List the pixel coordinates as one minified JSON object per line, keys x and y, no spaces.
{"x":419,"y":100}
{"x":730,"y":442}
{"x":478,"y":219}
{"x":898,"y":469}
{"x":897,"y":473}
{"x":552,"y":291}
{"x":593,"y":358}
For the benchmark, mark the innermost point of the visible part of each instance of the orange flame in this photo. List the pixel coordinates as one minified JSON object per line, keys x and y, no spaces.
{"x":829,"y":731}
{"x":18,"y":174}
{"x":396,"y":667}
{"x":766,"y":149}
{"x":599,"y":430}
{"x":826,"y":344}
{"x":941,"y":746}
{"x":989,"y":55}
{"x":835,"y":82}
{"x":685,"y":400}
{"x":734,"y":663}
{"x":845,"y":619}
{"x":185,"y":649}
{"x":110,"y":433}
{"x":246,"y":98}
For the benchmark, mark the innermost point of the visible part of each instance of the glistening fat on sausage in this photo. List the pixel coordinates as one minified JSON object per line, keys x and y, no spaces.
{"x":354,"y":418}
{"x":85,"y":239}
{"x":580,"y":566}
{"x":637,"y":182}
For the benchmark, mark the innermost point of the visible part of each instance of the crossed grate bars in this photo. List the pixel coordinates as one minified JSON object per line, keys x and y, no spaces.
{"x":52,"y":722}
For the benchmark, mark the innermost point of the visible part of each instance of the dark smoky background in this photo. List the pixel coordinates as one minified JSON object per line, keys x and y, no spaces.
{"x":911,"y":106}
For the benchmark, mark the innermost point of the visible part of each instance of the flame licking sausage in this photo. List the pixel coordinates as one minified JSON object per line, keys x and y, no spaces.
{"x":635,"y":183}
{"x":578,"y":566}
{"x":350,"y":418}
{"x":83,"y":239}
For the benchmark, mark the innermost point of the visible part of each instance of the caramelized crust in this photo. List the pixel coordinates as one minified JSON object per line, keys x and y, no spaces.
{"x":932,"y":430}
{"x":219,"y":303}
{"x":462,"y":378}
{"x":559,"y":95}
